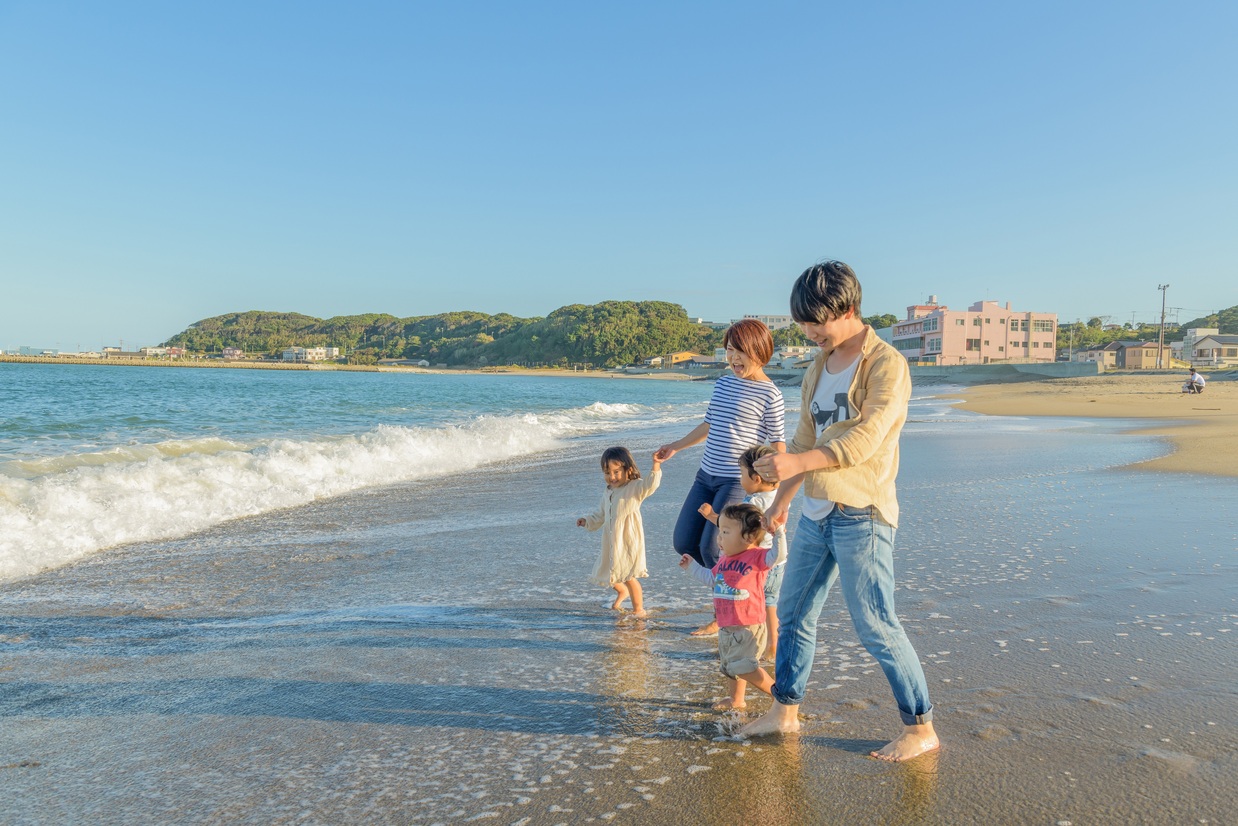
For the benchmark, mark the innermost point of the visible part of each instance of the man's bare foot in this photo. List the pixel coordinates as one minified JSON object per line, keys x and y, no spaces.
{"x":707,"y":630}
{"x":913,"y":742}
{"x":779,"y":719}
{"x":727,"y":704}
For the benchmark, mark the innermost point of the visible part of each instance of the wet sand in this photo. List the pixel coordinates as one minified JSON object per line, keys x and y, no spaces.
{"x":431,"y":653}
{"x":1203,"y":428}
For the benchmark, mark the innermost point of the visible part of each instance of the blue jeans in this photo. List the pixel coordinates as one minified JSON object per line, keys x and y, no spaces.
{"x":694,"y":534}
{"x":856,"y":548}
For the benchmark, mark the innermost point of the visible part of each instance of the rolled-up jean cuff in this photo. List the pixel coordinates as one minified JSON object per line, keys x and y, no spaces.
{"x":916,"y":719}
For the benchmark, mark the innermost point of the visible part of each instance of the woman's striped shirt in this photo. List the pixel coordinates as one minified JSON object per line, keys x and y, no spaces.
{"x":741,"y":414}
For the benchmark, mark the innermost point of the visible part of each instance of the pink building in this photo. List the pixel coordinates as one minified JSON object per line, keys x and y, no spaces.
{"x":981,"y":334}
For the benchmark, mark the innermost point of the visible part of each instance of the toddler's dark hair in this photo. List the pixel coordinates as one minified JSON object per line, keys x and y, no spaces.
{"x":748,"y":459}
{"x":750,"y":519}
{"x":624,"y":457}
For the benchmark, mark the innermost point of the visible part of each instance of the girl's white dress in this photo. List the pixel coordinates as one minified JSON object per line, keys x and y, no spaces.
{"x":623,"y":532}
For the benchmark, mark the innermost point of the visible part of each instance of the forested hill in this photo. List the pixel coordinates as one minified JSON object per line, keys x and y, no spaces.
{"x":604,"y":335}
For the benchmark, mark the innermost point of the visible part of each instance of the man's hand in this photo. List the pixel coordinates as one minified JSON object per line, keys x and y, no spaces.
{"x":776,"y":517}
{"x":779,"y":466}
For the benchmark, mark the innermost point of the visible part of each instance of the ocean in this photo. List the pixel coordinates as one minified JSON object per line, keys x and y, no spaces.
{"x":232,"y":596}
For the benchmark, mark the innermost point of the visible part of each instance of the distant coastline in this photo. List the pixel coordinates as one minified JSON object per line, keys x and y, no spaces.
{"x":357,"y":368}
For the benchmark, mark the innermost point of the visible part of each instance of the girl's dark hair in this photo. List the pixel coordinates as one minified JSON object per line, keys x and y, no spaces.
{"x":824,"y":292}
{"x":750,"y":519}
{"x":624,"y":457}
{"x":752,"y":338}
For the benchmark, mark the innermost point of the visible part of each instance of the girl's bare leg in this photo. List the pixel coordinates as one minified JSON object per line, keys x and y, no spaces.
{"x":621,"y":593}
{"x":638,"y":597}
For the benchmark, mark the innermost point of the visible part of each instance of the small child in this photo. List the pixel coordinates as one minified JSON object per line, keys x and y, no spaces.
{"x":761,"y":494}
{"x":623,"y":532}
{"x":739,"y":599}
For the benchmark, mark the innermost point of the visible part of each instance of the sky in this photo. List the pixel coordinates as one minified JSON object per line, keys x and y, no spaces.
{"x":161,"y":163}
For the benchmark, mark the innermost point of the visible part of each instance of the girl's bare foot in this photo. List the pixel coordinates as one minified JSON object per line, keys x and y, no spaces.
{"x":727,"y":704}
{"x":779,"y":719}
{"x":707,"y":630}
{"x":913,"y":742}
{"x":617,"y":605}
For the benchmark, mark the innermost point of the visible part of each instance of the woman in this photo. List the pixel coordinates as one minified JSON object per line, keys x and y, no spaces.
{"x":745,"y":410}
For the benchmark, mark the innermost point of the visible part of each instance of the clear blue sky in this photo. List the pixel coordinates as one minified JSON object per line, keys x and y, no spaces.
{"x":165,"y":162}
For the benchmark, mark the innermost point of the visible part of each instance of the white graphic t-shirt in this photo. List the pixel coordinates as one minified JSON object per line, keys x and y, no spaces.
{"x":829,"y":405}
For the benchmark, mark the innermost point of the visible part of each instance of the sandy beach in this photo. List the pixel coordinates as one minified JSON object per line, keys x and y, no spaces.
{"x":1203,"y":429}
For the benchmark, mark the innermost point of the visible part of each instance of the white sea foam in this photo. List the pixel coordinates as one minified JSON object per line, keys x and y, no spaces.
{"x":59,"y":509}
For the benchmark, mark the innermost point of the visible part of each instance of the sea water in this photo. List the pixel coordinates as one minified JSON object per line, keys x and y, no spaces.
{"x":94,"y":457}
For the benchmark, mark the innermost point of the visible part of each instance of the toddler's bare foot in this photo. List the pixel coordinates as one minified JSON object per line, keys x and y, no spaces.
{"x":727,"y":704}
{"x":707,"y":630}
{"x":913,"y":742}
{"x":617,"y":605}
{"x":779,"y":719}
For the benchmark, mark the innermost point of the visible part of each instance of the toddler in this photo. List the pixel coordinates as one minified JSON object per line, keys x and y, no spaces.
{"x":623,"y":533}
{"x":739,"y":599}
{"x":761,"y":494}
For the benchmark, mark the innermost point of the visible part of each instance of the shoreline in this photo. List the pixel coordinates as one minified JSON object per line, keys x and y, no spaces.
{"x":556,"y":372}
{"x":1201,"y":429}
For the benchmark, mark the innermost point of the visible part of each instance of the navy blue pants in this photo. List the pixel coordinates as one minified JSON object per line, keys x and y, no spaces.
{"x":694,"y":534}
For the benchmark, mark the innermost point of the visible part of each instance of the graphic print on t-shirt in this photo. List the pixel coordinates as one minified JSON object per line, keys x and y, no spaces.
{"x":724,"y":591}
{"x":825,"y":418}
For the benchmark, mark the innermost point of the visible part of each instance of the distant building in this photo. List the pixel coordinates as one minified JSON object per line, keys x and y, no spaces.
{"x":1214,"y":350}
{"x":774,"y":322}
{"x":1141,"y":356}
{"x":233,"y":353}
{"x":792,"y":357}
{"x":983,"y":333}
{"x":307,"y":353}
{"x":713,"y":325}
{"x":117,"y":353}
{"x":37,"y":351}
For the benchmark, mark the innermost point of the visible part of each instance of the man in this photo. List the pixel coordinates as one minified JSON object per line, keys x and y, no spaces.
{"x":1194,"y":383}
{"x":845,"y":455}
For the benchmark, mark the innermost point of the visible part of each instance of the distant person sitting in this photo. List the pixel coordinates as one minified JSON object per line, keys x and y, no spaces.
{"x":1194,"y":383}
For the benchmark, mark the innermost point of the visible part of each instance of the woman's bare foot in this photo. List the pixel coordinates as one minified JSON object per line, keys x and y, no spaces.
{"x":727,"y":704}
{"x":913,"y":742}
{"x":707,"y":630}
{"x":779,"y":719}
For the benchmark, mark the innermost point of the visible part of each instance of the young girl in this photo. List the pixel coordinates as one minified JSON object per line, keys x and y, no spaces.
{"x":739,"y":599}
{"x":623,"y":532}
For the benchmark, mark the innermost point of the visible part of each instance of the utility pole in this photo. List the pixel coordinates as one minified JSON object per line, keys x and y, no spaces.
{"x":1160,"y":342}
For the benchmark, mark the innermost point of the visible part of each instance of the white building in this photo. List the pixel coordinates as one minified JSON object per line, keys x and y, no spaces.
{"x":774,"y":322}
{"x":307,"y":353}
